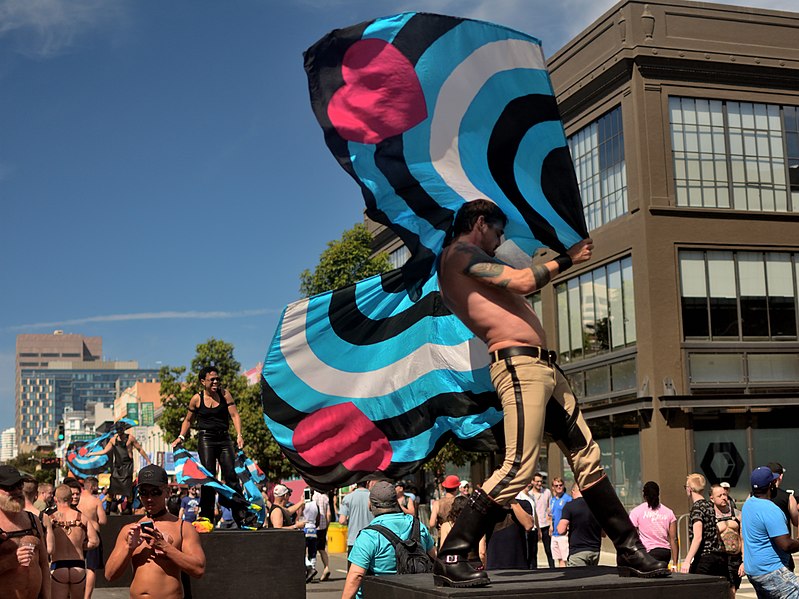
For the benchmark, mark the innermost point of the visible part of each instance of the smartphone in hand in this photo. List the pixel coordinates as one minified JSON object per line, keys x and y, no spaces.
{"x":148,"y":526}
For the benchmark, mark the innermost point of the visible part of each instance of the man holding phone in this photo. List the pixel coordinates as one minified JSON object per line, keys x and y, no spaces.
{"x":159,"y":546}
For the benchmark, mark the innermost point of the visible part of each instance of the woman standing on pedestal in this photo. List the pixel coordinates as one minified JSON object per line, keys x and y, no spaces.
{"x":214,"y":408}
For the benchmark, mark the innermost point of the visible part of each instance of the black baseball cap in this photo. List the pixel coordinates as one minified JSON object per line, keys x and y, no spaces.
{"x":153,"y":475}
{"x":9,"y":476}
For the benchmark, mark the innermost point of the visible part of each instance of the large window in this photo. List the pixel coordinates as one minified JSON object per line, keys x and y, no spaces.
{"x":619,"y":442}
{"x":733,"y":154}
{"x":739,"y":296}
{"x":596,"y":311}
{"x":598,"y":154}
{"x":399,"y":257}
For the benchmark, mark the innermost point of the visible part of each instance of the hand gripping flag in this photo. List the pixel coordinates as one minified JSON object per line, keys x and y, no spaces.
{"x":189,"y":472}
{"x":425,"y":112}
{"x":81,"y":464}
{"x":250,"y":476}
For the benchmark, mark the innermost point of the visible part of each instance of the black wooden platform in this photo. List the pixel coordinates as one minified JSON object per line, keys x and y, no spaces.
{"x":597,"y":582}
{"x":240,"y":564}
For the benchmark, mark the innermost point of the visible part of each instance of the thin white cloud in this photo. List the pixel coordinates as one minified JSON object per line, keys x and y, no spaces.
{"x":166,"y":315}
{"x":47,"y":28}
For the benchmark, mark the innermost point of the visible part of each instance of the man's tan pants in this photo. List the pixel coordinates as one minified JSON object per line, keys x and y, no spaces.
{"x":525,"y":385}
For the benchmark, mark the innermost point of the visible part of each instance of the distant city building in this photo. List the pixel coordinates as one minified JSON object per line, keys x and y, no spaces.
{"x":8,"y":445}
{"x":61,"y":373}
{"x":142,"y":402}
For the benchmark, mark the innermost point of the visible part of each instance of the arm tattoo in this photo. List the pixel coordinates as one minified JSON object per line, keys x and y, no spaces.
{"x":483,"y":266}
{"x":541,"y":275}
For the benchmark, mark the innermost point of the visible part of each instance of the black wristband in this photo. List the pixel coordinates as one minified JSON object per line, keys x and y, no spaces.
{"x":564,"y":262}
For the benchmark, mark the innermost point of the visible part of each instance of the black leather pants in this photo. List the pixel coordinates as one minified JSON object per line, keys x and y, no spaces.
{"x":216,"y":447}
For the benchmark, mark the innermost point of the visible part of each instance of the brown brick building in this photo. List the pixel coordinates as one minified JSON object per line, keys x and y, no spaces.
{"x":680,"y":336}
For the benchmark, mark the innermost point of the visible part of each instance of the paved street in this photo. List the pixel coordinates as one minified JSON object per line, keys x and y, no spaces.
{"x":332,"y":588}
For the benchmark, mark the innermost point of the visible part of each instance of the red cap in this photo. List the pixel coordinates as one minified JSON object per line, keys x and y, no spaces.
{"x":451,"y":482}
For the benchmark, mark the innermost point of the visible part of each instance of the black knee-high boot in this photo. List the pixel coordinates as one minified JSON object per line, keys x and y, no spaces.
{"x":452,"y":568}
{"x":631,"y":557}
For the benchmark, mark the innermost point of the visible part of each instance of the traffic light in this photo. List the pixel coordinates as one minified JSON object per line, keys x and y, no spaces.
{"x":60,"y":435}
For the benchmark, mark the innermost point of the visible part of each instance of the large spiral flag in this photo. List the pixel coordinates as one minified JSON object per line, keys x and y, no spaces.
{"x":81,"y":464}
{"x":250,"y":476}
{"x":425,"y":112}
{"x":189,"y":471}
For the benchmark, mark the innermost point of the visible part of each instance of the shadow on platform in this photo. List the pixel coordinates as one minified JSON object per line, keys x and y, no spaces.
{"x":598,"y":582}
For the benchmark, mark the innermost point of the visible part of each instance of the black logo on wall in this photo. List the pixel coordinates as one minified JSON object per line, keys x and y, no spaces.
{"x":722,"y":463}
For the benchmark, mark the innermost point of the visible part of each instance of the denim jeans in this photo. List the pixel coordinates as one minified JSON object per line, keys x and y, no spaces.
{"x":779,"y":584}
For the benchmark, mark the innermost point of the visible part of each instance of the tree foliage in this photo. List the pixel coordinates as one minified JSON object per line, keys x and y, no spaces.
{"x":29,"y":463}
{"x":177,"y":390}
{"x":451,"y":454}
{"x":344,"y":262}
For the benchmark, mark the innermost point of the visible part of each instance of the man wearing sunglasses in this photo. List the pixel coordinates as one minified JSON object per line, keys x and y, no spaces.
{"x":23,"y":555}
{"x":159,"y":546}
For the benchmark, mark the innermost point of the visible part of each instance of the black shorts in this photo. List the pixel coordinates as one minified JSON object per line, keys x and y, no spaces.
{"x":94,"y":557}
{"x":321,"y":539}
{"x":733,"y":564}
{"x":712,"y":564}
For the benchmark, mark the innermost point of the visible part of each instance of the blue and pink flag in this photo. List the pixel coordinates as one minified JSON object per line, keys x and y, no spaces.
{"x":425,"y":112}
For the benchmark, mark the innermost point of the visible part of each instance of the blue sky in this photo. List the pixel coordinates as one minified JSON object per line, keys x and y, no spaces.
{"x":162,"y":178}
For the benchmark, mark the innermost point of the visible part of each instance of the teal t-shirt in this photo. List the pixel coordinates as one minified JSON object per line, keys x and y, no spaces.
{"x":374,"y":553}
{"x":761,"y":521}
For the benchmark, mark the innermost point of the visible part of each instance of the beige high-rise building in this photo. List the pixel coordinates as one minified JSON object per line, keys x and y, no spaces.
{"x":64,"y":371}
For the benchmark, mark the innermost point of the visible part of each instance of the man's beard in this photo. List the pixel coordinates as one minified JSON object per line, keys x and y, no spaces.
{"x":11,"y":504}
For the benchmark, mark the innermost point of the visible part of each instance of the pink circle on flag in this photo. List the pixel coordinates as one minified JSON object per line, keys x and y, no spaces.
{"x":381,"y":96}
{"x":342,"y":434}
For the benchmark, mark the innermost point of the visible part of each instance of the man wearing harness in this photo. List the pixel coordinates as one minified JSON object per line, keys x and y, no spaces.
{"x":215,"y":409}
{"x":122,"y":445}
{"x":728,"y":521}
{"x":71,"y":535}
{"x":488,"y":296}
{"x":92,"y":508}
{"x":158,"y":546}
{"x":23,"y":556}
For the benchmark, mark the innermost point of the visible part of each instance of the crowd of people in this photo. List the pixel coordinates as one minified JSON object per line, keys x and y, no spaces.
{"x":53,"y":533}
{"x":50,"y":543}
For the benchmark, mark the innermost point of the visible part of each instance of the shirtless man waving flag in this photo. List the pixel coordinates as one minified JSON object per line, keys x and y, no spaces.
{"x":488,"y":296}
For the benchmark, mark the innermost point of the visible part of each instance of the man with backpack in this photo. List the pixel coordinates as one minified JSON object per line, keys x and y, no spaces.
{"x":394,"y":543}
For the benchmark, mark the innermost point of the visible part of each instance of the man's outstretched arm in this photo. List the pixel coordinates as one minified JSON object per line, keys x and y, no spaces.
{"x":523,"y":281}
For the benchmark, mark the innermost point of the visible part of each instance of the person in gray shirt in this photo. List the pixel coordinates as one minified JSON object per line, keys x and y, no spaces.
{"x":355,"y":513}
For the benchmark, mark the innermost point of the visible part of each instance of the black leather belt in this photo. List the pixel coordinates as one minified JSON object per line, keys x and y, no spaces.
{"x":544,"y":355}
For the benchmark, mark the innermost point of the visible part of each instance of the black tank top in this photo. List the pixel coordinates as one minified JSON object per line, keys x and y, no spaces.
{"x":216,"y":419}
{"x":782,"y":500}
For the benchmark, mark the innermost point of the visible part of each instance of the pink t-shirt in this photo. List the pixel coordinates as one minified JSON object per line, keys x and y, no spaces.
{"x":653,"y":525}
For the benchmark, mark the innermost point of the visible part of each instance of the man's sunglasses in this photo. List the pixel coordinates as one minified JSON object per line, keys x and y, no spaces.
{"x":151,"y":492}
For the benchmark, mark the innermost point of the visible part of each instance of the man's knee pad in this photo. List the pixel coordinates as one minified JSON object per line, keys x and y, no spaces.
{"x":562,"y":427}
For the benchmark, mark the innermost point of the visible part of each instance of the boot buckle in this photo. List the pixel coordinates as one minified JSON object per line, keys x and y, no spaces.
{"x":451,"y":559}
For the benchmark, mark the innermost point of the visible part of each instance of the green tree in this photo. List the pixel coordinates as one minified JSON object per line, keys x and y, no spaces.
{"x":344,"y":262}
{"x":30,"y":464}
{"x":451,"y":454}
{"x":176,"y":391}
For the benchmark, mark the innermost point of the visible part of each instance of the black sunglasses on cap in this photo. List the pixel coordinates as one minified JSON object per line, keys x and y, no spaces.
{"x":156,"y":492}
